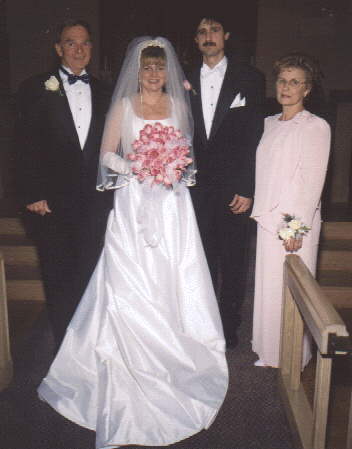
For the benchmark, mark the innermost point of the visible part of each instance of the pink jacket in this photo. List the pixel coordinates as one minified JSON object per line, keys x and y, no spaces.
{"x":291,"y":165}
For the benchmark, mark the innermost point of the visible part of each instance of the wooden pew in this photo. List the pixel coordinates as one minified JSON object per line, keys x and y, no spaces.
{"x":6,"y":368}
{"x":305,"y":303}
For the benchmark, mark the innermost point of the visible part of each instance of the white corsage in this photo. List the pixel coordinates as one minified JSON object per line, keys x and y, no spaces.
{"x":293,"y":228}
{"x":52,"y":84}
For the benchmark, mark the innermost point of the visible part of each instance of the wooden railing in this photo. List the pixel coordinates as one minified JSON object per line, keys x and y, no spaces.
{"x":306,"y":304}
{"x":6,"y":369}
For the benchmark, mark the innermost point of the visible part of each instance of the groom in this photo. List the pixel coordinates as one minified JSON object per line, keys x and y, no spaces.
{"x":226,"y":101}
{"x":61,"y":119}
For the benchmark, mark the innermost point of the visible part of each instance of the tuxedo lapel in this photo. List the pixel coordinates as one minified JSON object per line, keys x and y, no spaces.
{"x":64,"y":113}
{"x":88,"y":149}
{"x":226,"y":96}
{"x":198,"y":109}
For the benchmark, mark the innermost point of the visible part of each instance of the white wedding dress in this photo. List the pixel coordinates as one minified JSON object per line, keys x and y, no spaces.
{"x":143,"y":358}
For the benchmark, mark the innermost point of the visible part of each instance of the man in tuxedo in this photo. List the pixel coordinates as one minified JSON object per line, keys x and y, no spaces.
{"x":60,"y":124}
{"x":226,"y":102}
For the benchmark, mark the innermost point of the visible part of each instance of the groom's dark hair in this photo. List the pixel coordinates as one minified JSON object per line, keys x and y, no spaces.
{"x":69,"y":23}
{"x":212,"y":15}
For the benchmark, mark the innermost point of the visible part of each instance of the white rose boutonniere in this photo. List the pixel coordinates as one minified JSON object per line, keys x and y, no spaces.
{"x":293,"y":228}
{"x":53,"y":84}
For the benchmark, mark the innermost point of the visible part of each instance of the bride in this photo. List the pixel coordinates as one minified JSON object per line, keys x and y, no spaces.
{"x":143,"y":358}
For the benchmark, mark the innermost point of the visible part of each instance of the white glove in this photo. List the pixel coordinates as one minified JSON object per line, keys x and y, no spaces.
{"x":116,"y":163}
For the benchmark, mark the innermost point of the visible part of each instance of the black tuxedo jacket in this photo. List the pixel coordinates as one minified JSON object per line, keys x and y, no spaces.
{"x":227,"y":158}
{"x":52,"y":165}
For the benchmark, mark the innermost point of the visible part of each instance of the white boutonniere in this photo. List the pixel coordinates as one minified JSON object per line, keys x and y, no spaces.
{"x":188,"y":86}
{"x":293,"y":228}
{"x":53,"y":84}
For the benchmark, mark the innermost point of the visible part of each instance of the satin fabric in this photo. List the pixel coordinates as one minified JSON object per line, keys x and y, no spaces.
{"x":143,"y":359}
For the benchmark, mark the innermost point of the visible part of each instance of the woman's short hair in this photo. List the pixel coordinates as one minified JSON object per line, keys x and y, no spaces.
{"x":299,"y":61}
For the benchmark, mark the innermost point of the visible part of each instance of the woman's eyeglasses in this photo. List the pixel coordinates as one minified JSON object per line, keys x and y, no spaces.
{"x":291,"y":83}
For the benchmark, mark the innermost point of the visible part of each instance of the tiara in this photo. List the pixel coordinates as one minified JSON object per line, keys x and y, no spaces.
{"x":152,"y":43}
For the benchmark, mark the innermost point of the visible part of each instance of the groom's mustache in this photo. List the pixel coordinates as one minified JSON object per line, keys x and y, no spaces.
{"x":209,"y":44}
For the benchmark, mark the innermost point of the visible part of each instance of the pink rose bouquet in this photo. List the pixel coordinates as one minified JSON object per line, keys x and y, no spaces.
{"x":161,"y":152}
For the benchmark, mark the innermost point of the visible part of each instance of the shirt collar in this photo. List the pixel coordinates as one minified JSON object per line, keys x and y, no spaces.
{"x":220,"y":68}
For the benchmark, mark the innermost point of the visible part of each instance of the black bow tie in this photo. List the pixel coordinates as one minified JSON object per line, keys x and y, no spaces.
{"x":71,"y":78}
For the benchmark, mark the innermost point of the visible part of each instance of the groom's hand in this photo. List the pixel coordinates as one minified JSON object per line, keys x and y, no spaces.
{"x":240,"y":204}
{"x":39,"y":207}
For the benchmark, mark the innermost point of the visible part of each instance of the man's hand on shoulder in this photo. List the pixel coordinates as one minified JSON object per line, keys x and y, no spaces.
{"x":240,"y":204}
{"x":39,"y":207}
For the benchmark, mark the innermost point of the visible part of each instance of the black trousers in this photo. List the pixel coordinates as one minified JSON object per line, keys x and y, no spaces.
{"x":69,"y":241}
{"x":225,"y":238}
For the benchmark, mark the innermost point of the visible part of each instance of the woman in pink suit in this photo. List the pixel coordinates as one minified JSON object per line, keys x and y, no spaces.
{"x":291,"y":165}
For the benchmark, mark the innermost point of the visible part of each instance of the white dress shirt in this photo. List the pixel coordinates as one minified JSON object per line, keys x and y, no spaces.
{"x":210,"y":83}
{"x":80,"y":100}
